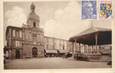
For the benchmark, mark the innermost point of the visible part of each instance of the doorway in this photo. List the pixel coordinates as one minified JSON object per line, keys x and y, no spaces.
{"x":17,"y":53}
{"x":34,"y":52}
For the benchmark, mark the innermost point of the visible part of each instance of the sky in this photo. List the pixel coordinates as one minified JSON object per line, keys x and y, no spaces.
{"x":60,"y":19}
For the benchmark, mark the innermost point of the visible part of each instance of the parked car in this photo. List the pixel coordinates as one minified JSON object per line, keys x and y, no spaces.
{"x":81,"y":56}
{"x":67,"y":55}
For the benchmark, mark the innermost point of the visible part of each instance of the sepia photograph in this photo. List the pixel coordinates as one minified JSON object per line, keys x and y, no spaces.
{"x":73,"y":34}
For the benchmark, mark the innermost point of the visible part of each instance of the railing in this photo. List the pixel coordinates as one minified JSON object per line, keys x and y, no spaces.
{"x":83,"y":51}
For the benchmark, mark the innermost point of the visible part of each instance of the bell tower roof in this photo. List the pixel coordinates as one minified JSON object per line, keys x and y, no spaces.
{"x":33,"y":19}
{"x":32,"y":7}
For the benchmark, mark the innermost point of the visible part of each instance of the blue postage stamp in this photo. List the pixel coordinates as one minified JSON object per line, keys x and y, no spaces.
{"x":89,"y":9}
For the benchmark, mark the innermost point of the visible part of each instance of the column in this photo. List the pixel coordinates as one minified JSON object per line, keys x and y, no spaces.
{"x":96,"y":38}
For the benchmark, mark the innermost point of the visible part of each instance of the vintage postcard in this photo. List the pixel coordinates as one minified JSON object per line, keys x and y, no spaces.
{"x":64,"y":34}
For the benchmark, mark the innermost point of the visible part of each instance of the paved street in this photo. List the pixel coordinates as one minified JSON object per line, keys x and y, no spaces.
{"x":52,"y":63}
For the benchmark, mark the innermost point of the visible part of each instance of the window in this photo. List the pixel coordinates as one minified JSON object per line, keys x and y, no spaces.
{"x":17,"y":33}
{"x":9,"y":33}
{"x":8,"y":44}
{"x":34,"y":36}
{"x":14,"y":33}
{"x":34,"y":24}
{"x":20,"y":34}
{"x":18,"y":44}
{"x":30,"y":38}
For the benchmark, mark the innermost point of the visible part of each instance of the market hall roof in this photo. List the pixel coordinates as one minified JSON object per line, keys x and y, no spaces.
{"x":89,"y":36}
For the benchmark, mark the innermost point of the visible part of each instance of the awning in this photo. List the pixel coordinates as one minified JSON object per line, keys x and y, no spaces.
{"x":62,"y":51}
{"x":50,"y":50}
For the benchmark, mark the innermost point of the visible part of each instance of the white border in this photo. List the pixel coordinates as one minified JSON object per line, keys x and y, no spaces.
{"x":78,"y":70}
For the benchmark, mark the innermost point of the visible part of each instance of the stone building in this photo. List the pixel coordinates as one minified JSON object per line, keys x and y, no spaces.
{"x":29,"y":40}
{"x":33,"y":36}
{"x":55,"y":43}
{"x":14,"y":41}
{"x":55,"y":46}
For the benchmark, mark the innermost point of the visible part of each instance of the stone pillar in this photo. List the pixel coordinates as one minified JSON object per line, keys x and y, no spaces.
{"x":86,"y":48}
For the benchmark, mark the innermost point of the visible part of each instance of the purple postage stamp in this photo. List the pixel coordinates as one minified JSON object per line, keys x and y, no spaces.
{"x":89,"y":9}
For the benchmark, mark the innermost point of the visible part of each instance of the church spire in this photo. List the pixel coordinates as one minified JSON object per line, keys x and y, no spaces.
{"x":32,"y":7}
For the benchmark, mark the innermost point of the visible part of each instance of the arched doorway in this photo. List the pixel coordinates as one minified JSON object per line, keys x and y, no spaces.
{"x":34,"y":52}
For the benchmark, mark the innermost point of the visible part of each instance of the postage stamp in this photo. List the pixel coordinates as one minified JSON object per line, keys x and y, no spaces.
{"x":105,"y":9}
{"x":89,"y":10}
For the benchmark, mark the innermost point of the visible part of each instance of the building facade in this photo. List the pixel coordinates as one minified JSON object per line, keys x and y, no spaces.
{"x":29,"y":40}
{"x":14,"y":41}
{"x":55,"y":43}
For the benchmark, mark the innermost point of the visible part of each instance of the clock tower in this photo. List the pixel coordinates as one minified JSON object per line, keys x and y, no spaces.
{"x":33,"y":45}
{"x":33,"y":19}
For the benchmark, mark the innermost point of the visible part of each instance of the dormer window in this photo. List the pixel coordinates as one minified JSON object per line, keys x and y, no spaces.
{"x":34,"y":24}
